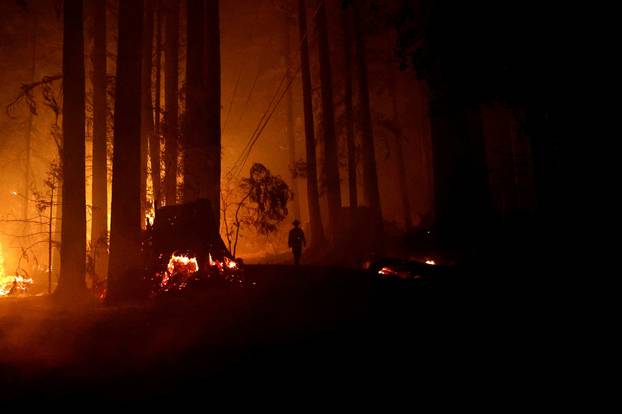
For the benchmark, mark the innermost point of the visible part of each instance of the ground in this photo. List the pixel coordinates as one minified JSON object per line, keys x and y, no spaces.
{"x":306,"y":325}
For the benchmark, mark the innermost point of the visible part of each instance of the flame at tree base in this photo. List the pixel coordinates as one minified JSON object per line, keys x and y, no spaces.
{"x":182,"y":270}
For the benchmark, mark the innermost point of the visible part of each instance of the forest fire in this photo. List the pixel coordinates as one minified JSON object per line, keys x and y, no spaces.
{"x":12,"y":285}
{"x":184,"y":269}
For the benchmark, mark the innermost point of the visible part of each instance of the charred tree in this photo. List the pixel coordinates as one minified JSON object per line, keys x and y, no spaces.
{"x":194,"y":131}
{"x":346,"y":22}
{"x":317,"y":231}
{"x":147,"y":130}
{"x":210,"y":188}
{"x":289,"y":107}
{"x":99,"y":226}
{"x":154,"y":143}
{"x":370,"y":175}
{"x":124,"y":272}
{"x":171,"y":99}
{"x":73,"y":228}
{"x":331,"y":162}
{"x":399,"y":138}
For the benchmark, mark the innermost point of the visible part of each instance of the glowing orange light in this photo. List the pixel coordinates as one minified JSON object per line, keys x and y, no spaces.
{"x":430,"y":262}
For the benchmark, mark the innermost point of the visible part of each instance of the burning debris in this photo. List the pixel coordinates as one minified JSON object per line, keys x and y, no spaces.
{"x":186,"y":249}
{"x":14,"y":285}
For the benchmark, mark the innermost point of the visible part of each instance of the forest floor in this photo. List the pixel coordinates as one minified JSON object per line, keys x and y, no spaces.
{"x":295,"y":327}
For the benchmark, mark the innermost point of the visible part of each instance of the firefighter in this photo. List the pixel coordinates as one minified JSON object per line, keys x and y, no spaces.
{"x":296,"y":241}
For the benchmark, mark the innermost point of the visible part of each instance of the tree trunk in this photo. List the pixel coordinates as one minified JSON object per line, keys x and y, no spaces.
{"x":399,"y":137}
{"x":194,"y":131}
{"x":99,"y":227}
{"x":73,"y":227}
{"x":124,"y":273}
{"x":28,"y":169}
{"x":171,"y":99}
{"x":210,"y":189}
{"x":331,"y":163}
{"x":349,"y":111}
{"x":146,"y":133}
{"x":291,"y":133}
{"x":317,"y":231}
{"x":370,"y":176}
{"x":154,"y":144}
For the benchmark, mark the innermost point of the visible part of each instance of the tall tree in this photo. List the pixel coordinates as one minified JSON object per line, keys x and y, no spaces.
{"x":317,"y":231}
{"x":212,"y":96}
{"x":331,"y":163}
{"x":399,"y":153}
{"x":99,"y":226}
{"x":73,"y":227}
{"x":171,"y":99}
{"x":125,"y":264}
{"x":146,"y":103}
{"x":346,"y":23}
{"x":154,"y":143}
{"x":289,"y":107}
{"x":370,"y":175}
{"x":194,"y":131}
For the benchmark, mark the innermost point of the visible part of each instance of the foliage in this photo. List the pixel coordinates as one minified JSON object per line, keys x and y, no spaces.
{"x":269,"y":195}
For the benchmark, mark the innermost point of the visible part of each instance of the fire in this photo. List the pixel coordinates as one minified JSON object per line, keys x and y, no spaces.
{"x":150,"y":215}
{"x":12,"y":284}
{"x":182,"y":263}
{"x":430,"y":262}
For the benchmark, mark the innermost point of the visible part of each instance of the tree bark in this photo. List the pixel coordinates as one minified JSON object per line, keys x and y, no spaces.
{"x":370,"y":176}
{"x":211,"y":65}
{"x":399,"y":137}
{"x":289,"y":106}
{"x":171,"y":99}
{"x":124,"y":273}
{"x":349,"y":111}
{"x":99,"y":227}
{"x":331,"y":163}
{"x":73,"y":228}
{"x":315,"y":220}
{"x":146,"y":132}
{"x":194,"y":131}
{"x":154,"y":144}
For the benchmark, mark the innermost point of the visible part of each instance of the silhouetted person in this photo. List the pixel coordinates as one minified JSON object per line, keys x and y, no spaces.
{"x":296,"y":241}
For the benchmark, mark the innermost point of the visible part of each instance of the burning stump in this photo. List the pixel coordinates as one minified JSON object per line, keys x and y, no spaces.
{"x":186,"y":249}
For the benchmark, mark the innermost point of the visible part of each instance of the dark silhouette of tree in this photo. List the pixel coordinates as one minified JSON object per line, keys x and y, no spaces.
{"x":289,"y":107}
{"x":313,"y":199}
{"x":399,"y":138}
{"x":268,"y":195}
{"x":211,"y":67}
{"x":99,"y":226}
{"x":154,"y":143}
{"x":346,"y":23}
{"x":194,"y":122}
{"x":124,"y":271}
{"x":73,"y":228}
{"x":370,"y":175}
{"x":171,"y":99}
{"x":331,"y":163}
{"x":147,"y":129}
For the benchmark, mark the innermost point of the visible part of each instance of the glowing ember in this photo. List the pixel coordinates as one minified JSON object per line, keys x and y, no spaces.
{"x":385,"y":271}
{"x":230,"y":263}
{"x":182,"y":264}
{"x":430,"y":262}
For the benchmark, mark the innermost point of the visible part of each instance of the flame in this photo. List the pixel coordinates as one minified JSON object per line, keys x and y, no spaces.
{"x":150,"y":215}
{"x":231,"y":264}
{"x":184,"y":263}
{"x":11,"y":285}
{"x":430,"y":262}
